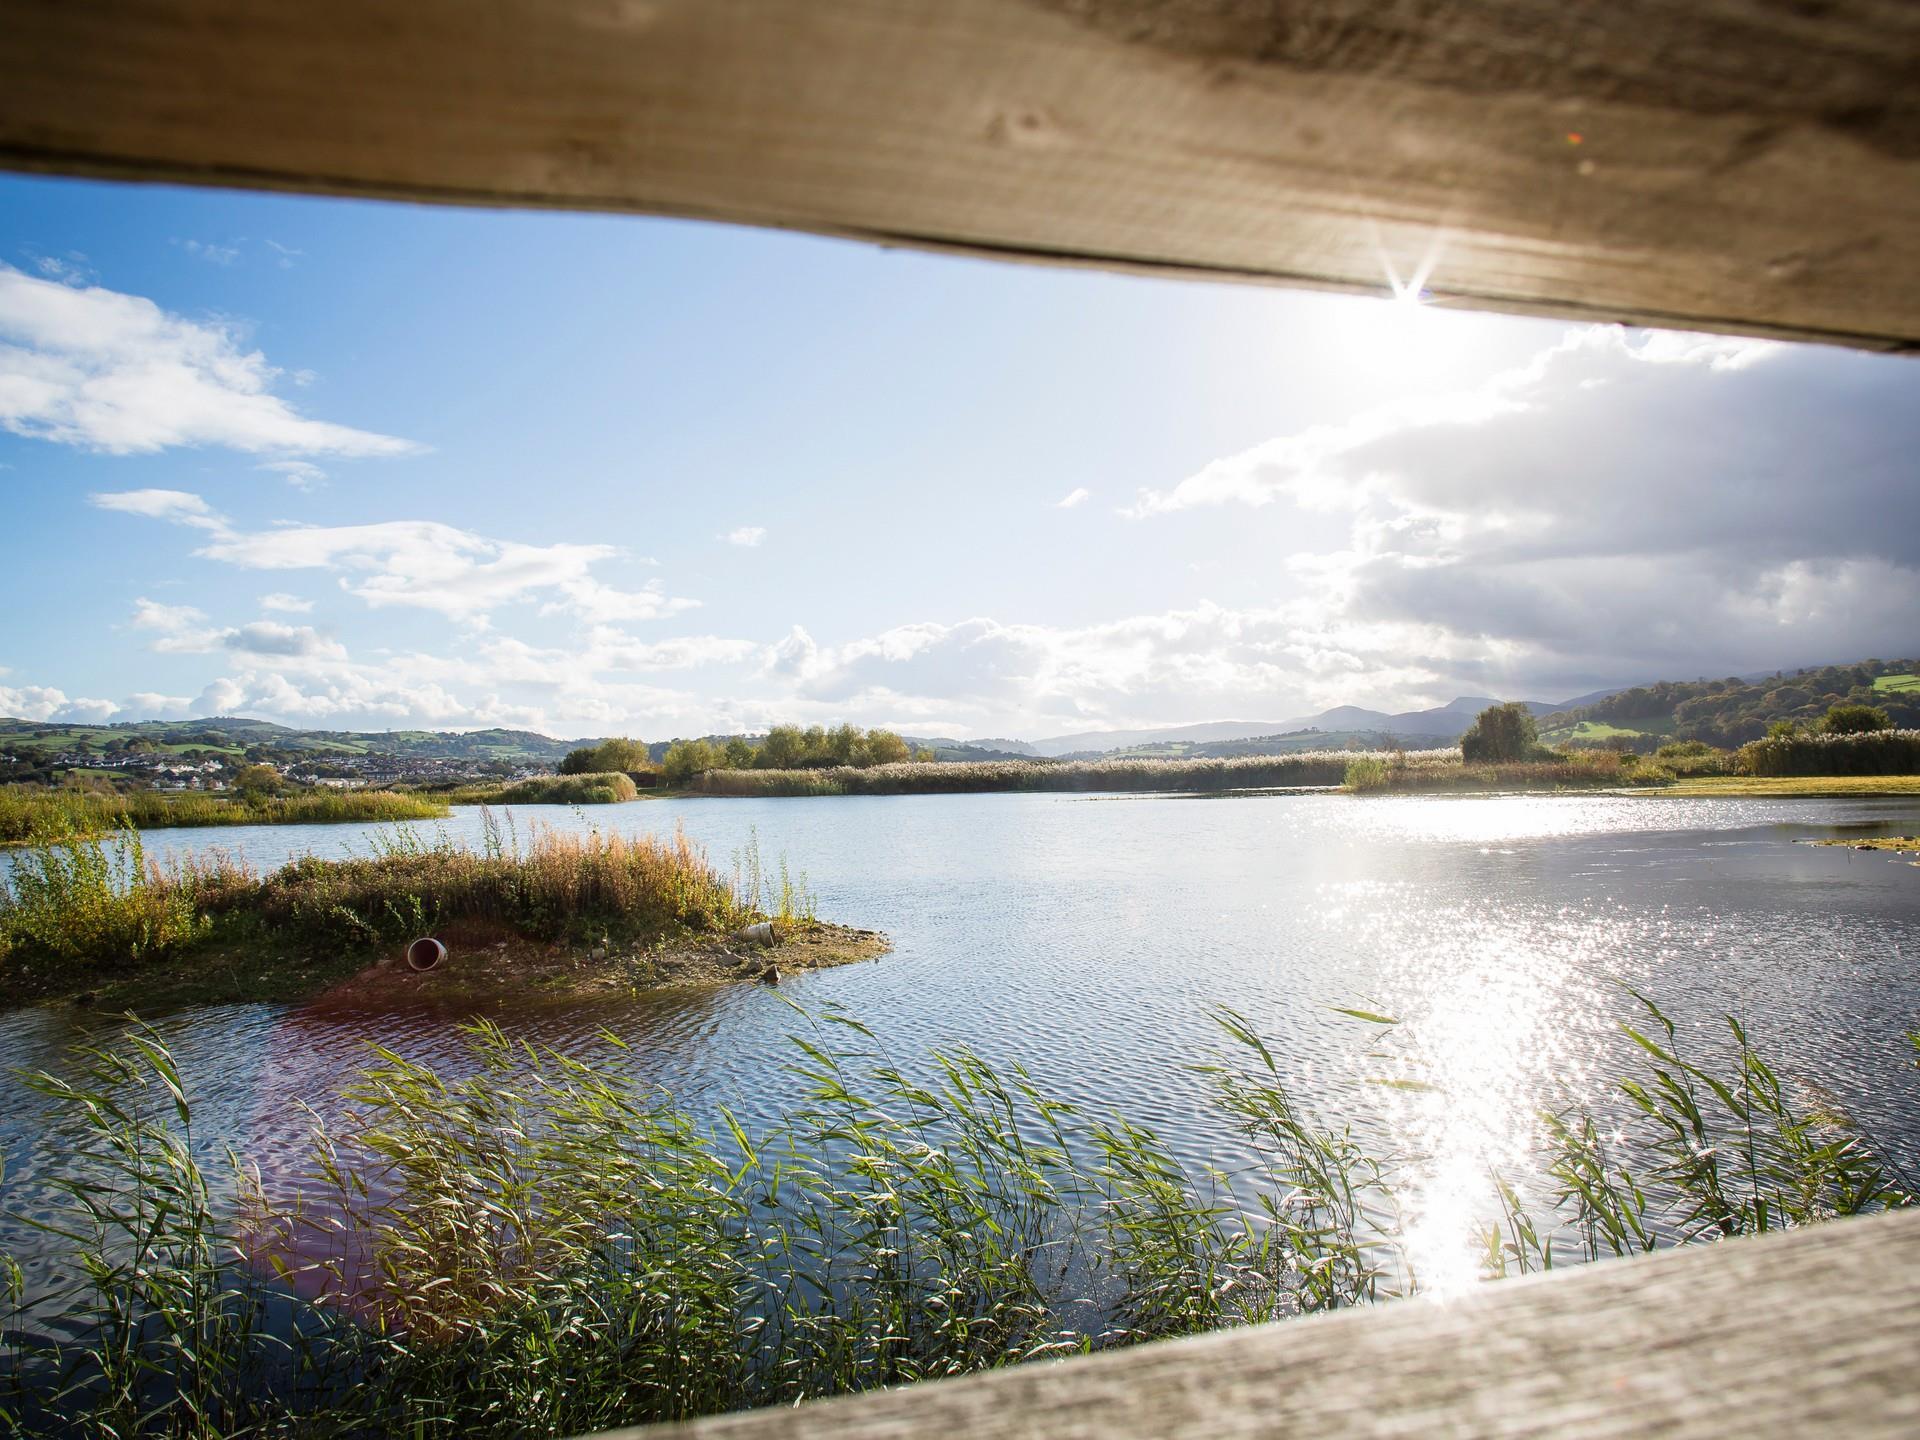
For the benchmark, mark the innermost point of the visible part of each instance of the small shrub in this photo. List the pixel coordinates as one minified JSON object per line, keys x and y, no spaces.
{"x":1368,"y":772}
{"x":1855,"y":720}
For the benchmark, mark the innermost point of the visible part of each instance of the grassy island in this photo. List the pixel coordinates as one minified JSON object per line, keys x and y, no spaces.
{"x":95,"y":918}
{"x":611,"y":787}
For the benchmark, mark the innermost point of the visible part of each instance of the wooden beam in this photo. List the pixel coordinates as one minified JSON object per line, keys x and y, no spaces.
{"x":1738,"y":165}
{"x":1810,"y":1333}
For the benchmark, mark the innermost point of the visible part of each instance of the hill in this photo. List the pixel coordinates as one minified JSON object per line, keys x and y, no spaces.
{"x":176,"y":753}
{"x":1737,"y":709}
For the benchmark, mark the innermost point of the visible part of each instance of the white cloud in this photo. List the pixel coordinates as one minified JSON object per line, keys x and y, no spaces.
{"x":31,"y":702}
{"x":747,"y":535}
{"x":421,"y":564}
{"x":1620,"y":508}
{"x":269,"y":637}
{"x":1203,"y":662}
{"x":91,"y":367}
{"x":178,"y":629}
{"x":181,"y":507}
{"x":603,"y":604}
{"x":1073,"y":497}
{"x":287,"y":604}
{"x":210,"y":251}
{"x":1322,"y":466}
{"x":300,"y":474}
{"x":616,"y":650}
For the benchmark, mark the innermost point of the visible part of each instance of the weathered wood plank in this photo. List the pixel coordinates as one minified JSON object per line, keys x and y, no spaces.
{"x":1740,"y":165}
{"x":1810,"y":1333}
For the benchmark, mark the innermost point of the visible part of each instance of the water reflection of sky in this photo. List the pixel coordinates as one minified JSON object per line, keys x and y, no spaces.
{"x":1092,"y":939}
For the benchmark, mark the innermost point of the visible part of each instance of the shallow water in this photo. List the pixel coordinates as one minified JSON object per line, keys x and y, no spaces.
{"x":1093,"y":937}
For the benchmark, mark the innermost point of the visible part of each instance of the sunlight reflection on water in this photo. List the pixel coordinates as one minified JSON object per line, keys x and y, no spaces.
{"x":1093,"y":939}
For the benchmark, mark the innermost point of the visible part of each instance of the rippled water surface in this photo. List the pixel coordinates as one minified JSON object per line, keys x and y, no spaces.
{"x":1092,"y":938}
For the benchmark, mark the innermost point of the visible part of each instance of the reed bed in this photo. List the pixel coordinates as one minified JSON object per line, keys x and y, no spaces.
{"x":538,"y":1245}
{"x":1246,"y":772}
{"x":608,"y":787}
{"x":103,"y":904}
{"x":1444,"y":770}
{"x":28,"y":813}
{"x":1878,"y":752}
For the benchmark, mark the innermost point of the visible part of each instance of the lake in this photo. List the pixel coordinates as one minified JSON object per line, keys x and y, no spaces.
{"x":1094,"y":937}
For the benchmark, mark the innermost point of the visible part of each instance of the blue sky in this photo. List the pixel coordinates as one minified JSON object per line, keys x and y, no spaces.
{"x":365,"y":466}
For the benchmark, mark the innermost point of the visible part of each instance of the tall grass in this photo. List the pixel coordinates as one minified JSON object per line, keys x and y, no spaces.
{"x":1880,"y":752}
{"x":88,"y":899}
{"x":1246,"y":772}
{"x":1444,"y":770}
{"x":545,"y":1246}
{"x":104,"y":903}
{"x":29,"y":813}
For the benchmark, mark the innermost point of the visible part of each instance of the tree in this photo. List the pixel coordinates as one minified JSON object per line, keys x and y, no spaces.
{"x":686,"y":759}
{"x":620,"y":754}
{"x":256,"y":782}
{"x":1855,"y":720}
{"x":842,"y":745}
{"x":883,"y":747}
{"x":1501,"y":732}
{"x":785,"y":748}
{"x":815,"y":753}
{"x":738,"y":754}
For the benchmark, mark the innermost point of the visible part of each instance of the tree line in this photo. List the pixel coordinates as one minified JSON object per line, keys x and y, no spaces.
{"x":784,"y":747}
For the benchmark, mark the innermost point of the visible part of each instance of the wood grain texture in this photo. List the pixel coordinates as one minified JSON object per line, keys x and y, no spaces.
{"x":1811,"y":1333}
{"x":1739,"y":165}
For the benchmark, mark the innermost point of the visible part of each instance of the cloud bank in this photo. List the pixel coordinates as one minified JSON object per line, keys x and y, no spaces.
{"x":90,"y":367}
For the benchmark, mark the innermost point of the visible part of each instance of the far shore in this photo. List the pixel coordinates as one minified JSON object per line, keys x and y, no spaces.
{"x":56,"y":816}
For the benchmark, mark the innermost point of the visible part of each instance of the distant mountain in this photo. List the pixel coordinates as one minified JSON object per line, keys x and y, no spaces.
{"x":1099,"y":741}
{"x":1441,"y":725}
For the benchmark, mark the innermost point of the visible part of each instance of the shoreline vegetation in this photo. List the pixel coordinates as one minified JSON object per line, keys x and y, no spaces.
{"x":96,"y":919}
{"x":1853,"y":750}
{"x":1321,"y":768}
{"x":533,"y":1242}
{"x":27,"y":812}
{"x":603,"y":787}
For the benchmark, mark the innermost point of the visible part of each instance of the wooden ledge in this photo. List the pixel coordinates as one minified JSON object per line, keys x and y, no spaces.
{"x":1811,"y":1333}
{"x":1736,"y":165}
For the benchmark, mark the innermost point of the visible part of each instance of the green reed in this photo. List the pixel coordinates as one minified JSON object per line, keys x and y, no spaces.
{"x":539,"y":1244}
{"x":80,"y":899}
{"x":29,"y":813}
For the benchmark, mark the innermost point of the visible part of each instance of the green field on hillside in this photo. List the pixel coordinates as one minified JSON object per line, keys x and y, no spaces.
{"x":1596,"y":731}
{"x":1897,"y":682}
